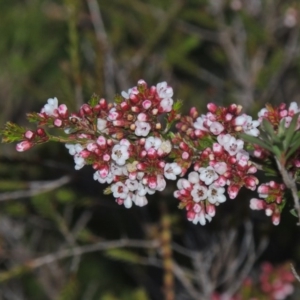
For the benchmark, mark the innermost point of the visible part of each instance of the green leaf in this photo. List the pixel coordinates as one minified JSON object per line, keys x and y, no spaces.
{"x":293,"y":149}
{"x":12,"y":133}
{"x":289,"y":133}
{"x":268,"y":128}
{"x":178,"y":105}
{"x":294,"y":212}
{"x":255,"y":140}
{"x":94,"y":100}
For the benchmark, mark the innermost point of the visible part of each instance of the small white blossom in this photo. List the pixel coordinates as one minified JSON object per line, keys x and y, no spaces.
{"x":108,"y":179}
{"x":79,"y":162}
{"x":171,"y":170}
{"x":215,"y":194}
{"x":199,"y":124}
{"x":230,"y":144}
{"x":163,"y":90}
{"x":216,"y":128}
{"x":140,"y":200}
{"x":208,"y":175}
{"x":193,"y":177}
{"x":161,"y":183}
{"x":101,"y":124}
{"x":132,"y":184}
{"x":201,"y":218}
{"x":120,"y":154}
{"x":119,"y":190}
{"x":50,"y":107}
{"x":199,"y":192}
{"x":165,"y":147}
{"x":126,"y":95}
{"x":112,"y":114}
{"x":142,"y":128}
{"x":128,"y":201}
{"x":152,"y":142}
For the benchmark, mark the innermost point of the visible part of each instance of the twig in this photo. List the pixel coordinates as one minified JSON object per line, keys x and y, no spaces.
{"x":295,"y":273}
{"x":290,"y":184}
{"x":36,"y":188}
{"x":79,"y":250}
{"x":105,"y":45}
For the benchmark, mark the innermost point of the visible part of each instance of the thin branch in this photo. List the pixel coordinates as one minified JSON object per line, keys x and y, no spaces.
{"x":79,"y":250}
{"x":290,"y":184}
{"x":102,"y":38}
{"x":36,"y":188}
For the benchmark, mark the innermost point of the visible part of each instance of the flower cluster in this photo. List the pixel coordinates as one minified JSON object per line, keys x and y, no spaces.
{"x":274,"y":283}
{"x":273,"y":201}
{"x":221,"y":164}
{"x":130,"y":146}
{"x":125,"y":142}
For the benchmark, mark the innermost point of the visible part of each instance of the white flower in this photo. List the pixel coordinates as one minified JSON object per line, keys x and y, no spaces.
{"x":132,"y":184}
{"x":201,"y":217}
{"x":199,"y":124}
{"x":119,"y":190}
{"x":171,"y":170}
{"x":117,"y":170}
{"x":140,"y":200}
{"x":79,"y":162}
{"x":250,"y":127}
{"x":165,"y":147}
{"x":199,"y":192}
{"x":216,"y":128}
{"x":166,"y":104}
{"x":293,"y":108}
{"x":101,"y":124}
{"x":50,"y":107}
{"x":120,"y":154}
{"x":230,"y":144}
{"x":108,"y":179}
{"x":126,"y":95}
{"x":215,"y":194}
{"x":208,"y":175}
{"x":142,"y":128}
{"x":161,"y":183}
{"x":220,"y":167}
{"x":182,"y":183}
{"x":193,"y":177}
{"x":152,"y":142}
{"x":128,"y":201}
{"x":112,"y":114}
{"x":163,"y":90}
{"x":165,"y":93}
{"x":141,"y":190}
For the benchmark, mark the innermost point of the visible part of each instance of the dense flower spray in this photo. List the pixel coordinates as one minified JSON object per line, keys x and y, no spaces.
{"x":130,"y":145}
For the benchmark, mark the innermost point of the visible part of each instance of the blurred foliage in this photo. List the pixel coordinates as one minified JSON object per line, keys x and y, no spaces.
{"x":239,"y":51}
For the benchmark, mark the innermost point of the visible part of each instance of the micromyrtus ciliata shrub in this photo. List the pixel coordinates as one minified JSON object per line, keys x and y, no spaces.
{"x":141,"y":141}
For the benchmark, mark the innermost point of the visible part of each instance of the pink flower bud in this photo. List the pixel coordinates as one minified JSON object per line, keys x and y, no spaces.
{"x":194,"y":113}
{"x":142,"y":117}
{"x":101,"y":141}
{"x":119,"y":123}
{"x":124,"y":105}
{"x":29,"y":135}
{"x":106,"y":157}
{"x":103,"y":103}
{"x":212,"y":107}
{"x":152,"y":153}
{"x":152,"y":182}
{"x":232,"y":191}
{"x":190,"y":215}
{"x":84,"y":153}
{"x":146,"y":104}
{"x":41,"y":132}
{"x":185,"y":155}
{"x":58,"y":122}
{"x":63,"y":110}
{"x":23,"y":146}
{"x":135,"y":109}
{"x":134,"y":98}
{"x":257,"y":204}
